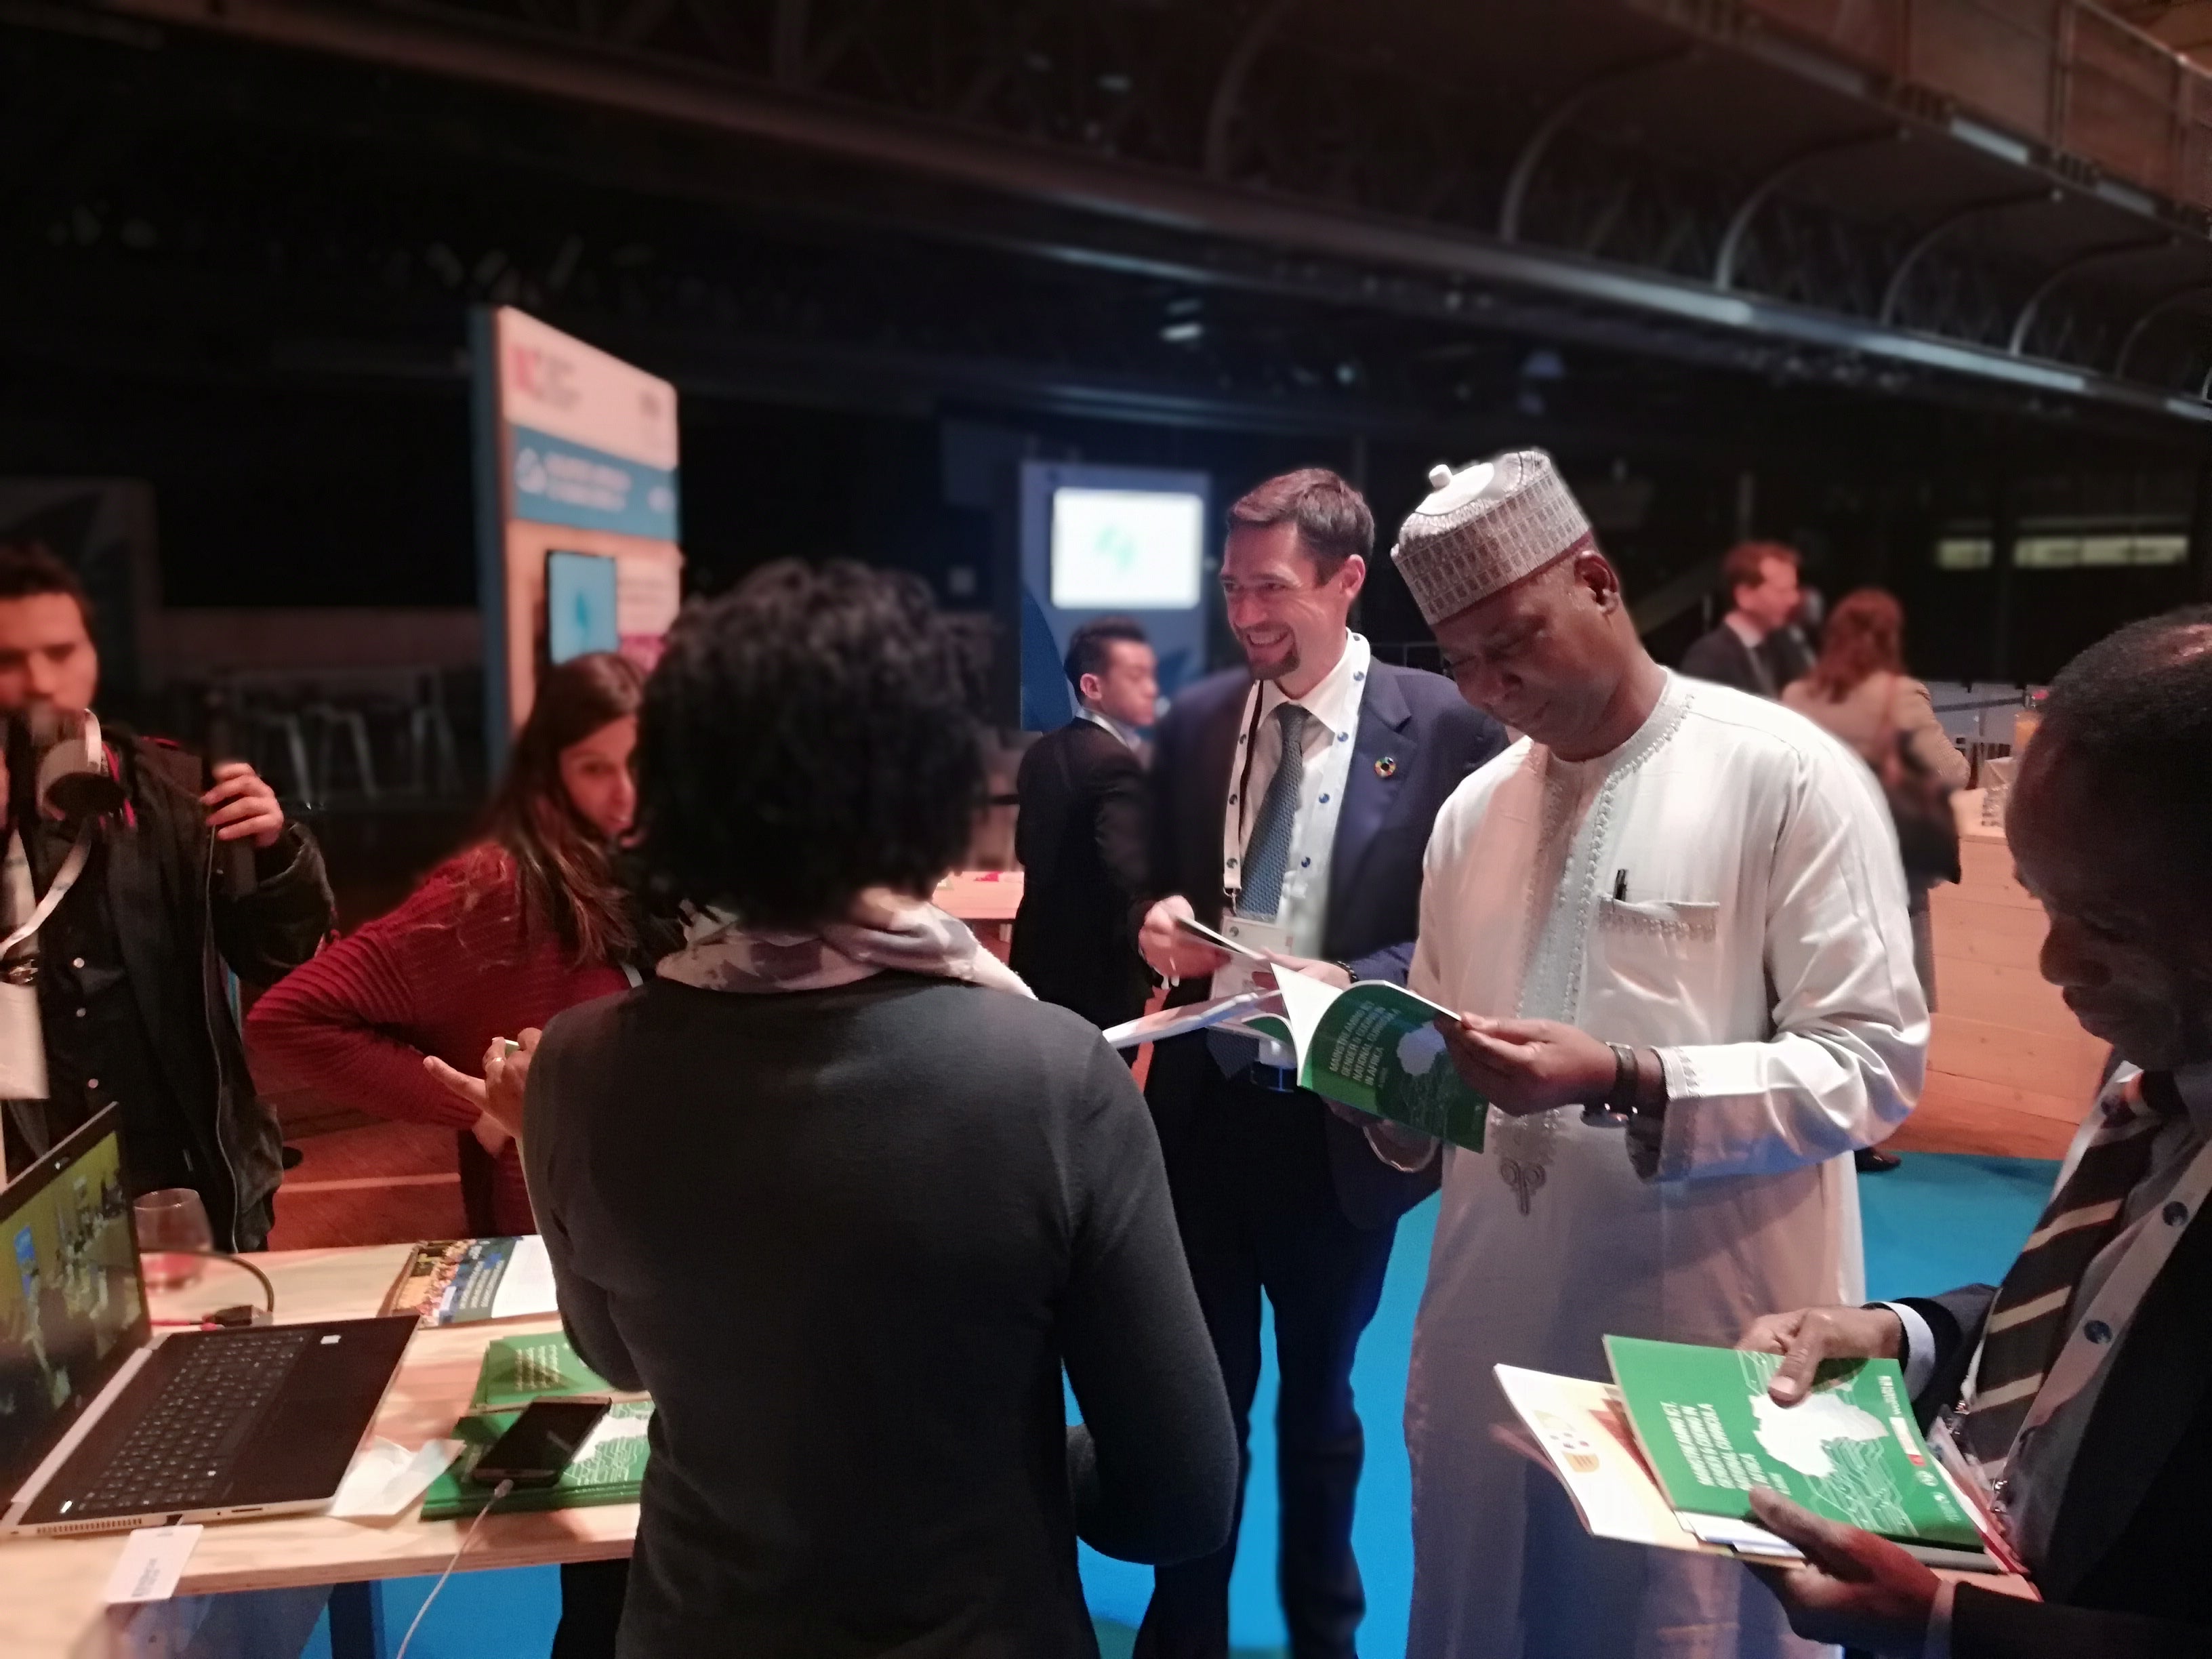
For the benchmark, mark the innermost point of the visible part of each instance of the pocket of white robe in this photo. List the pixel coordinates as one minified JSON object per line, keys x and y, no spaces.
{"x":1656,"y":951}
{"x":1670,"y":919}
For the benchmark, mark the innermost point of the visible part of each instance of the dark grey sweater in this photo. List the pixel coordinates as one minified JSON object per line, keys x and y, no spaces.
{"x":848,"y":1239}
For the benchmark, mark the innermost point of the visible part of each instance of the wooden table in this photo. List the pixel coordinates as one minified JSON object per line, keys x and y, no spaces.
{"x":50,"y":1589}
{"x":2006,"y":1059}
{"x":985,"y":900}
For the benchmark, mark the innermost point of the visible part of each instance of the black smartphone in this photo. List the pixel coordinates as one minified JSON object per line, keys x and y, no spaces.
{"x":540,"y":1443}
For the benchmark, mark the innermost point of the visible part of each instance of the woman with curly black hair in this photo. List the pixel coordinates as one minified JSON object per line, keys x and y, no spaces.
{"x":845,"y":1198}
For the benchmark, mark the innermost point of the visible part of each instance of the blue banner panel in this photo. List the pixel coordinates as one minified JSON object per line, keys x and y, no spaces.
{"x":557,"y":482}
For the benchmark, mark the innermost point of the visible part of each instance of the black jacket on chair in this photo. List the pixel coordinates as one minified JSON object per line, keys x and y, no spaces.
{"x":1416,"y":741}
{"x":2125,"y":1576}
{"x":1082,"y":839}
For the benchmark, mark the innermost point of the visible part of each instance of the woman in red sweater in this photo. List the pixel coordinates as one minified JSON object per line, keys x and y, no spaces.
{"x":505,"y":934}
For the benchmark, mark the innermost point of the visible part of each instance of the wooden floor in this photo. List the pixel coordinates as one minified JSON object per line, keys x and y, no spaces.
{"x":369,"y":1183}
{"x":1955,"y":1117}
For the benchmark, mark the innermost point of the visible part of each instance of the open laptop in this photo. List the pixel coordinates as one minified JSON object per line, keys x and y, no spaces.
{"x":103,"y":1429}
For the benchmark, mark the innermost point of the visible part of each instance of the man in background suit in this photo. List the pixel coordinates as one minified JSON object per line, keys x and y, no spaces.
{"x":1756,"y":647}
{"x":1297,"y":791}
{"x":1082,"y":831}
{"x":2091,"y":1366}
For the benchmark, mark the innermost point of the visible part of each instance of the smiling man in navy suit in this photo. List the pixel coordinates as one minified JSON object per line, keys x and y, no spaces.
{"x":1295,"y":794}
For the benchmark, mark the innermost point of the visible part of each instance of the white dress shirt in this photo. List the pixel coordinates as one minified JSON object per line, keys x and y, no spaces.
{"x":1333,"y":705}
{"x":1130,"y":740}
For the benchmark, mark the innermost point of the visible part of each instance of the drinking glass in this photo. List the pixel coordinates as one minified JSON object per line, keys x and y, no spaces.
{"x":170,"y":1223}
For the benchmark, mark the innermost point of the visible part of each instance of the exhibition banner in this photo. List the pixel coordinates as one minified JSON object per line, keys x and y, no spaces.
{"x":577,"y":508}
{"x":556,"y":482}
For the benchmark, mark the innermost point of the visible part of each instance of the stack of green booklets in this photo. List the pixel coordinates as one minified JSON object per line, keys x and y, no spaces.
{"x":1667,"y":1454}
{"x":610,"y":1468}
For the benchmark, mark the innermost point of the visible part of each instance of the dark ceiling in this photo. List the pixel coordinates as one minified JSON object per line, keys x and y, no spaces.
{"x":1432,"y":230}
{"x":1675,"y":178}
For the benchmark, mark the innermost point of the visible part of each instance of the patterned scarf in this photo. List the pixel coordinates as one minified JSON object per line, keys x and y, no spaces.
{"x":883,"y":931}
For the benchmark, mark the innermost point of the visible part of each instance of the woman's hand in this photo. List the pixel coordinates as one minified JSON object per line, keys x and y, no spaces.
{"x":507,"y":1070}
{"x":459,"y":1084}
{"x":489,"y":1136}
{"x":497,"y":1095}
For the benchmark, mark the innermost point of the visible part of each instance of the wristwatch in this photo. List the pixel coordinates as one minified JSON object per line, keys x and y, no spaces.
{"x":1625,"y":1097}
{"x":1622,"y":1097}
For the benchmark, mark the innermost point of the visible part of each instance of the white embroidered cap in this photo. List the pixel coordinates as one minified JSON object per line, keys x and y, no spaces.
{"x":1483,"y":528}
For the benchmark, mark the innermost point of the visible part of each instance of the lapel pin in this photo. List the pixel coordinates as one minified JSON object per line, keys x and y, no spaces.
{"x":1386,"y":766}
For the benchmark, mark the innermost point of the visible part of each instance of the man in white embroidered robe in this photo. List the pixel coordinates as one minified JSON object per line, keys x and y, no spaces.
{"x":1672,"y":904}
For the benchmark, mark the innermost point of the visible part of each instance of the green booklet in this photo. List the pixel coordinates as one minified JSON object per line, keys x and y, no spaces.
{"x":1850,"y":1450}
{"x":608,"y":1469}
{"x":1376,"y":1048}
{"x":518,"y":1370}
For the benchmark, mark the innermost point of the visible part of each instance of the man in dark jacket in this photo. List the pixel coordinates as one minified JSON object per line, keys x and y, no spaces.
{"x":173,"y":878}
{"x":2086,"y":1378}
{"x":1756,"y":647}
{"x":1295,"y":794}
{"x":1081,"y":833}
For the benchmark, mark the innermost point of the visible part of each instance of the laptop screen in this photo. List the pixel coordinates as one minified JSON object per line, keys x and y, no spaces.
{"x":71,"y":1304}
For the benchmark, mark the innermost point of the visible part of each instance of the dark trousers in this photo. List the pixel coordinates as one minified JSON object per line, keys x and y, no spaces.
{"x":1258,"y":1212}
{"x":479,"y":1176}
{"x":591,"y":1608}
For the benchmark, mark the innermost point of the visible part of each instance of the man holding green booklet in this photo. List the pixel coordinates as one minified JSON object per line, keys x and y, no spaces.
{"x":1672,"y":929}
{"x":2079,"y":1390}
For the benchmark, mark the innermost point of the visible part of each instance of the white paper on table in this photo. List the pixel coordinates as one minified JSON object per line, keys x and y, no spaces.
{"x":386,"y":1479}
{"x":526,"y":1286}
{"x":152,"y":1562}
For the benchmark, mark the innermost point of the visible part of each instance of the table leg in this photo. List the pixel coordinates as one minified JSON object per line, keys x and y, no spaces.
{"x":357,"y":1621}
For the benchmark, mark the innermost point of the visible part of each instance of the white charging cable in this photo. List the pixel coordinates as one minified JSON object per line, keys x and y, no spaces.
{"x":498,"y":1492}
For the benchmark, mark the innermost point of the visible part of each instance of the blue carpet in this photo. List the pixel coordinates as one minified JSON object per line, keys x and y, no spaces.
{"x":1936,"y":1222}
{"x":1940,"y":1220}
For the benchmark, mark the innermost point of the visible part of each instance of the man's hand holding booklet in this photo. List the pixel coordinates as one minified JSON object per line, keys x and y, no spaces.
{"x":1670,"y":1453}
{"x":1373,"y":1046}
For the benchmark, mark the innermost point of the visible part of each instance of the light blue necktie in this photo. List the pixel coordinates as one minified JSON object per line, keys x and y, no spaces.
{"x":1267,"y":858}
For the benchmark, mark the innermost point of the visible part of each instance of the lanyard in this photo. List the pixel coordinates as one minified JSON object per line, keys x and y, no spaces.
{"x":64,"y":879}
{"x":1251,"y":747}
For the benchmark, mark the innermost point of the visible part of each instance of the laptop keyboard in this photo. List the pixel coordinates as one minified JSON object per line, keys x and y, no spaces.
{"x":179,"y":1456}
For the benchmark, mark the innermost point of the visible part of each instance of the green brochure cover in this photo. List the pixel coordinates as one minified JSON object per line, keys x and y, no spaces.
{"x":1850,"y":1450}
{"x":518,"y":1370}
{"x":609,"y":1469}
{"x":1376,"y":1048}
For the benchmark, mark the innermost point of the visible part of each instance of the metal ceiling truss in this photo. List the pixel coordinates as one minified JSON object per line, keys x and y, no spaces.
{"x":1241,"y":123}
